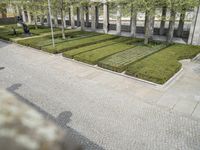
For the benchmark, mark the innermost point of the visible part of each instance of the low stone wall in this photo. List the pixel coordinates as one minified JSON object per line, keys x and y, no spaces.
{"x":23,"y":128}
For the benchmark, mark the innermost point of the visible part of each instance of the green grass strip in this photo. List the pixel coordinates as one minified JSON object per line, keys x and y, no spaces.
{"x":92,"y":57}
{"x":72,"y":53}
{"x":120,"y":61}
{"x":40,"y":42}
{"x":161,"y":66}
{"x":68,"y":45}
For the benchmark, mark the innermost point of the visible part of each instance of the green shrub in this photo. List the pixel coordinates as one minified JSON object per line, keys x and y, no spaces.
{"x":120,"y":61}
{"x":161,"y":66}
{"x":92,"y":57}
{"x":68,"y":45}
{"x":72,"y":53}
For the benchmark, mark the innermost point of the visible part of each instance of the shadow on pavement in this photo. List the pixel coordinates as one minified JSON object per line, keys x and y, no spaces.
{"x":61,"y":120}
{"x":4,"y":43}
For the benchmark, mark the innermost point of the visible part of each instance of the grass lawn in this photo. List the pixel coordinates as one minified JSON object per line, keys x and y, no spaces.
{"x":120,"y":61}
{"x":72,"y":53}
{"x":6,"y":32}
{"x":72,"y":44}
{"x":40,"y":42}
{"x":92,"y":57}
{"x":161,"y":66}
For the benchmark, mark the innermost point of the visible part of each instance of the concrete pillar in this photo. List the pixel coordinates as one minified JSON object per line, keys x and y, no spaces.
{"x":93,"y":16}
{"x":82,"y":18}
{"x":29,"y":17}
{"x":119,"y":22}
{"x":194,"y":36}
{"x":78,"y":16}
{"x":17,"y":10}
{"x":48,"y":19}
{"x":56,"y":19}
{"x":133,"y":22}
{"x":72,"y":17}
{"x":87,"y":16}
{"x":23,"y":14}
{"x":105,"y":17}
{"x":69,"y":16}
{"x":64,"y":20}
{"x":97,"y":15}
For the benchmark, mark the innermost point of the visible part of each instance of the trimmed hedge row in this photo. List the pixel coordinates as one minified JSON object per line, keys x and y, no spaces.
{"x":92,"y":57}
{"x":68,"y":45}
{"x":72,"y":53}
{"x":161,"y":66}
{"x":120,"y":61}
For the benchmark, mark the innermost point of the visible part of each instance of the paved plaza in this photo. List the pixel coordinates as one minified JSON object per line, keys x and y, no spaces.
{"x":102,"y":109}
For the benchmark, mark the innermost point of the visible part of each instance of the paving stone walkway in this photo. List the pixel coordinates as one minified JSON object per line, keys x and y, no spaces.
{"x":105,"y":110}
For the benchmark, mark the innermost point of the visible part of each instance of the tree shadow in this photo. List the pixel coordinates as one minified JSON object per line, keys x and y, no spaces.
{"x":61,"y":120}
{"x":4,"y":43}
{"x":1,"y":68}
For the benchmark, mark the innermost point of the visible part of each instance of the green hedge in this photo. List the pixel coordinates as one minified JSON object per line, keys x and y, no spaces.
{"x":120,"y":61}
{"x":72,"y":53}
{"x":92,"y":57}
{"x":161,"y":66}
{"x":68,"y":45}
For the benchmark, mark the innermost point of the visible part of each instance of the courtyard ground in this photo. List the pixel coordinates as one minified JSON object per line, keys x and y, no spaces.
{"x":105,"y":110}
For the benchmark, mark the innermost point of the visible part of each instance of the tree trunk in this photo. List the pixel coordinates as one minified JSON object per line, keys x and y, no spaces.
{"x":163,"y":19}
{"x":63,"y":26}
{"x":133,"y":22}
{"x":147,"y":28}
{"x":181,"y":24}
{"x":171,"y":26}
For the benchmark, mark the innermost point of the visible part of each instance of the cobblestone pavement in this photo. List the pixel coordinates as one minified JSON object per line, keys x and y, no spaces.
{"x":106,"y":110}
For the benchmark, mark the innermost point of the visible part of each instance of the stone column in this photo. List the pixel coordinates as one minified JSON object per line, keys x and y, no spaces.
{"x":133,"y":22}
{"x":93,"y":16}
{"x":78,"y":16}
{"x":105,"y":17}
{"x":56,"y":19}
{"x":64,"y":20}
{"x":48,"y":19}
{"x":162,"y":23}
{"x":17,"y":11}
{"x":82,"y":18}
{"x":72,"y":17}
{"x":119,"y":23}
{"x":97,"y":16}
{"x":87,"y":16}
{"x":29,"y":17}
{"x":23,"y":14}
{"x":69,"y":16}
{"x":194,"y":36}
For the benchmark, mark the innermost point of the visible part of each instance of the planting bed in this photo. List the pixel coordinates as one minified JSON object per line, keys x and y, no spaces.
{"x":92,"y":57}
{"x":120,"y":61}
{"x":72,"y":44}
{"x":72,"y":53}
{"x":161,"y":66}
